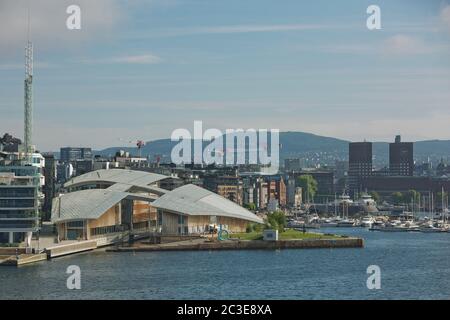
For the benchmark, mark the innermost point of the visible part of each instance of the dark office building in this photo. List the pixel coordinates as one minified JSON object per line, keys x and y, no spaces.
{"x":359,"y":164}
{"x":49,"y":186}
{"x":385,"y":186}
{"x":401,"y":162}
{"x":83,"y":166}
{"x":69,"y":154}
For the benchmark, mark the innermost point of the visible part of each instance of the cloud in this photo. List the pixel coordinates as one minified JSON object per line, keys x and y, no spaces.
{"x":401,"y":44}
{"x":48,"y":23}
{"x":445,"y":17}
{"x":230,"y":29}
{"x":138,"y":59}
{"x":129,"y":59}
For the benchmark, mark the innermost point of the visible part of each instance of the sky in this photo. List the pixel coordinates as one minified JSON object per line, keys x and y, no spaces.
{"x":138,"y":70}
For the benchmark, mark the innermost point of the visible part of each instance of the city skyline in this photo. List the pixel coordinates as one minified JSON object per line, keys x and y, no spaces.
{"x":144,"y":70}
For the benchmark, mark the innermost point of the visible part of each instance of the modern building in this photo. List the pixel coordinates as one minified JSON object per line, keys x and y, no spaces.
{"x":64,"y":171}
{"x":70,"y":154}
{"x":359,"y":164}
{"x":19,"y":203}
{"x":83,"y":166}
{"x":49,"y":187}
{"x":107,"y":204}
{"x":401,"y":158}
{"x":192,"y":210}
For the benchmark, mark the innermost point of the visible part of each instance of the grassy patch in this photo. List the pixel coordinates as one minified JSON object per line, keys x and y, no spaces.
{"x":289,"y":234}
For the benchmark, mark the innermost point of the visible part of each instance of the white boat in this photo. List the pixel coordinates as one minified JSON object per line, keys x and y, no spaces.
{"x":367,"y":204}
{"x":393,"y":226}
{"x":430,"y":228}
{"x":346,"y":223}
{"x":329,"y":222}
{"x":367,"y":222}
{"x":411,"y":226}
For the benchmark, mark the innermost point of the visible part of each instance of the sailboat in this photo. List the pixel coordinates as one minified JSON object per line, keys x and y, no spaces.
{"x":345,"y":222}
{"x":433,"y":226}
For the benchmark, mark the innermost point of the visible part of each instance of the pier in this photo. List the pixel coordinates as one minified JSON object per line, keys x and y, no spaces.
{"x":206,"y":244}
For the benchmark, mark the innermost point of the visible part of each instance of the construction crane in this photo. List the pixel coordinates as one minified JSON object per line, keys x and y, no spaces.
{"x":138,"y":143}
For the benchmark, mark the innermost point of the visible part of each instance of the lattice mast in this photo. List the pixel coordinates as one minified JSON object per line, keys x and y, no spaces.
{"x":28,"y":96}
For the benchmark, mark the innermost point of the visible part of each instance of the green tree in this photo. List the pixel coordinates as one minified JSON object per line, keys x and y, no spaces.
{"x":412,"y":196}
{"x":254,"y":227}
{"x":250,"y":206}
{"x":308,"y":185}
{"x":276,"y":220}
{"x":375,"y":196}
{"x":397,"y":197}
{"x":439,"y":197}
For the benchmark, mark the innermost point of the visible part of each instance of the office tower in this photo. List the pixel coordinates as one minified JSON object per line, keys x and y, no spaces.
{"x":401,"y":161}
{"x":69,"y":154}
{"x":360,"y":164}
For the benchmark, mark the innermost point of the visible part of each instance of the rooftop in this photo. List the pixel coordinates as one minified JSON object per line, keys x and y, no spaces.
{"x":126,"y":179}
{"x":89,"y":204}
{"x":193,"y":200}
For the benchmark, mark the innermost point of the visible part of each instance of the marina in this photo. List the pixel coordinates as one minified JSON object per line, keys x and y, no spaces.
{"x":412,"y":267}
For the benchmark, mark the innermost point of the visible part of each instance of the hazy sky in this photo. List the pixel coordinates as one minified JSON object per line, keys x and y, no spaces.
{"x":141,"y":70}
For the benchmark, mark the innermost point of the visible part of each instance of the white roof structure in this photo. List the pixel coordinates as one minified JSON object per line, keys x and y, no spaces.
{"x":126,"y":178}
{"x":93,"y":203}
{"x":89,"y":204}
{"x":193,"y":200}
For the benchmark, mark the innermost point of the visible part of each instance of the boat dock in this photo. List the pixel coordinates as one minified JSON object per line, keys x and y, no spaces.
{"x":19,"y":256}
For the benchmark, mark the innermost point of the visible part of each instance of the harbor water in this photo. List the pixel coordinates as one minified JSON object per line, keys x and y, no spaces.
{"x":413,"y":266}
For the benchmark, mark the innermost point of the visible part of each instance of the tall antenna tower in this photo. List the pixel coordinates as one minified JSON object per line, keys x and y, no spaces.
{"x":28,"y":96}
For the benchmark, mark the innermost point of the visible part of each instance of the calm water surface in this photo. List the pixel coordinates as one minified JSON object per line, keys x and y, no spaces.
{"x":413,"y":266}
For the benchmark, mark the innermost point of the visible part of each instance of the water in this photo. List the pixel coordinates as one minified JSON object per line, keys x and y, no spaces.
{"x":413,"y":266}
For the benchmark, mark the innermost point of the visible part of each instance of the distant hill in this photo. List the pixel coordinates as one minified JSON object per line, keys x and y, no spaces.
{"x":302,"y":144}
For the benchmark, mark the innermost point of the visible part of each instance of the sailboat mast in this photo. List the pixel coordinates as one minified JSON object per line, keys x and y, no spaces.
{"x":335,"y":204}
{"x":442,"y":203}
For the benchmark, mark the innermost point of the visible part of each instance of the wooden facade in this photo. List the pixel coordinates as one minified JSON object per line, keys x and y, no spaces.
{"x":172,"y":223}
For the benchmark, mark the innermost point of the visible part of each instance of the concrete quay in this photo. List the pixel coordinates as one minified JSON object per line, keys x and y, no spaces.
{"x":204,"y":244}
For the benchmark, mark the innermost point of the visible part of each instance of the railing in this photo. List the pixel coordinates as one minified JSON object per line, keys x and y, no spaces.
{"x":18,"y":225}
{"x":31,"y":215}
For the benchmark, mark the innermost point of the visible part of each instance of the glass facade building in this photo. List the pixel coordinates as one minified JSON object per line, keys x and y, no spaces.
{"x":19,"y":203}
